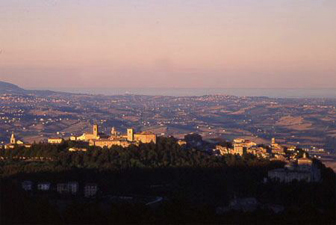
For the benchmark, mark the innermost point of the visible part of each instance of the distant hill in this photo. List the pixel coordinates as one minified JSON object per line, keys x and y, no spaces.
{"x":10,"y":88}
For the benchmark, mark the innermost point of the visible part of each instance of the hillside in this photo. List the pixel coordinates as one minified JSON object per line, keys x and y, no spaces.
{"x":10,"y":88}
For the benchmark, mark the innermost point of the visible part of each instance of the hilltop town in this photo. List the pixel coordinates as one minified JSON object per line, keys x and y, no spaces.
{"x":298,"y":165}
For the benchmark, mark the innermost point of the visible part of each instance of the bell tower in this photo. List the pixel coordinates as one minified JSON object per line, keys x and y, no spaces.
{"x":273,"y":141}
{"x":130,"y":135}
{"x":13,"y":139}
{"x":113,"y":131}
{"x":95,"y":130}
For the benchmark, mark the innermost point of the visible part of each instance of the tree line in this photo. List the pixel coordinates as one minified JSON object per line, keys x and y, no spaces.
{"x":166,"y":153}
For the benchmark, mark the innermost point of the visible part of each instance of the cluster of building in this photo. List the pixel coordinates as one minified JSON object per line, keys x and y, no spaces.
{"x":96,"y":138}
{"x":303,"y":169}
{"x":300,"y":169}
{"x":242,"y":146}
{"x":69,"y":188}
{"x":14,"y":142}
{"x":99,"y":139}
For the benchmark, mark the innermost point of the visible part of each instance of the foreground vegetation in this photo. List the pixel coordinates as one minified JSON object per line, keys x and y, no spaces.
{"x":165,"y":154}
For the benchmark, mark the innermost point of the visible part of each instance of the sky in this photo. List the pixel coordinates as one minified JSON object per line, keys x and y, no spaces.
{"x":168,"y":44}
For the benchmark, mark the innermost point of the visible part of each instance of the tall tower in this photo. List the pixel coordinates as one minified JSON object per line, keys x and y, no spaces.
{"x":95,"y":130}
{"x":13,"y":139}
{"x":130,"y":134}
{"x":273,"y":141}
{"x":113,"y":132}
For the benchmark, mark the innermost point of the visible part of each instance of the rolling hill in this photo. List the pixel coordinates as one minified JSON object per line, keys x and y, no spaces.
{"x":10,"y":88}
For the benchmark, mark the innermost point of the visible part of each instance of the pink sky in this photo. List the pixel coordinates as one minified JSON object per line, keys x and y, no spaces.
{"x":184,"y":44}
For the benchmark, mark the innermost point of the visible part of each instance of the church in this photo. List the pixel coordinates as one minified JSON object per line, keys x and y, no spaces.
{"x":99,"y":139}
{"x":14,"y":142}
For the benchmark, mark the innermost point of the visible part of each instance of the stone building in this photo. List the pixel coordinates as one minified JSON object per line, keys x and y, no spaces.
{"x":258,"y":151}
{"x":303,"y":170}
{"x":277,"y":148}
{"x":287,"y":175}
{"x":240,"y":146}
{"x":55,"y":140}
{"x":145,"y":137}
{"x":110,"y":142}
{"x":95,"y":135}
{"x":305,"y":162}
{"x":223,"y":150}
{"x":123,"y":140}
{"x":14,"y":142}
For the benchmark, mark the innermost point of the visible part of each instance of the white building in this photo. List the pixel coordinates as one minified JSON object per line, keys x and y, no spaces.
{"x":43,"y":186}
{"x":90,"y":190}
{"x":27,"y":185}
{"x":67,"y":188}
{"x":303,"y":170}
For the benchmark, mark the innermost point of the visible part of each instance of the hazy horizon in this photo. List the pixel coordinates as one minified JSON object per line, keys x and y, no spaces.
{"x":219,"y":44}
{"x":180,"y":92}
{"x":240,"y":92}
